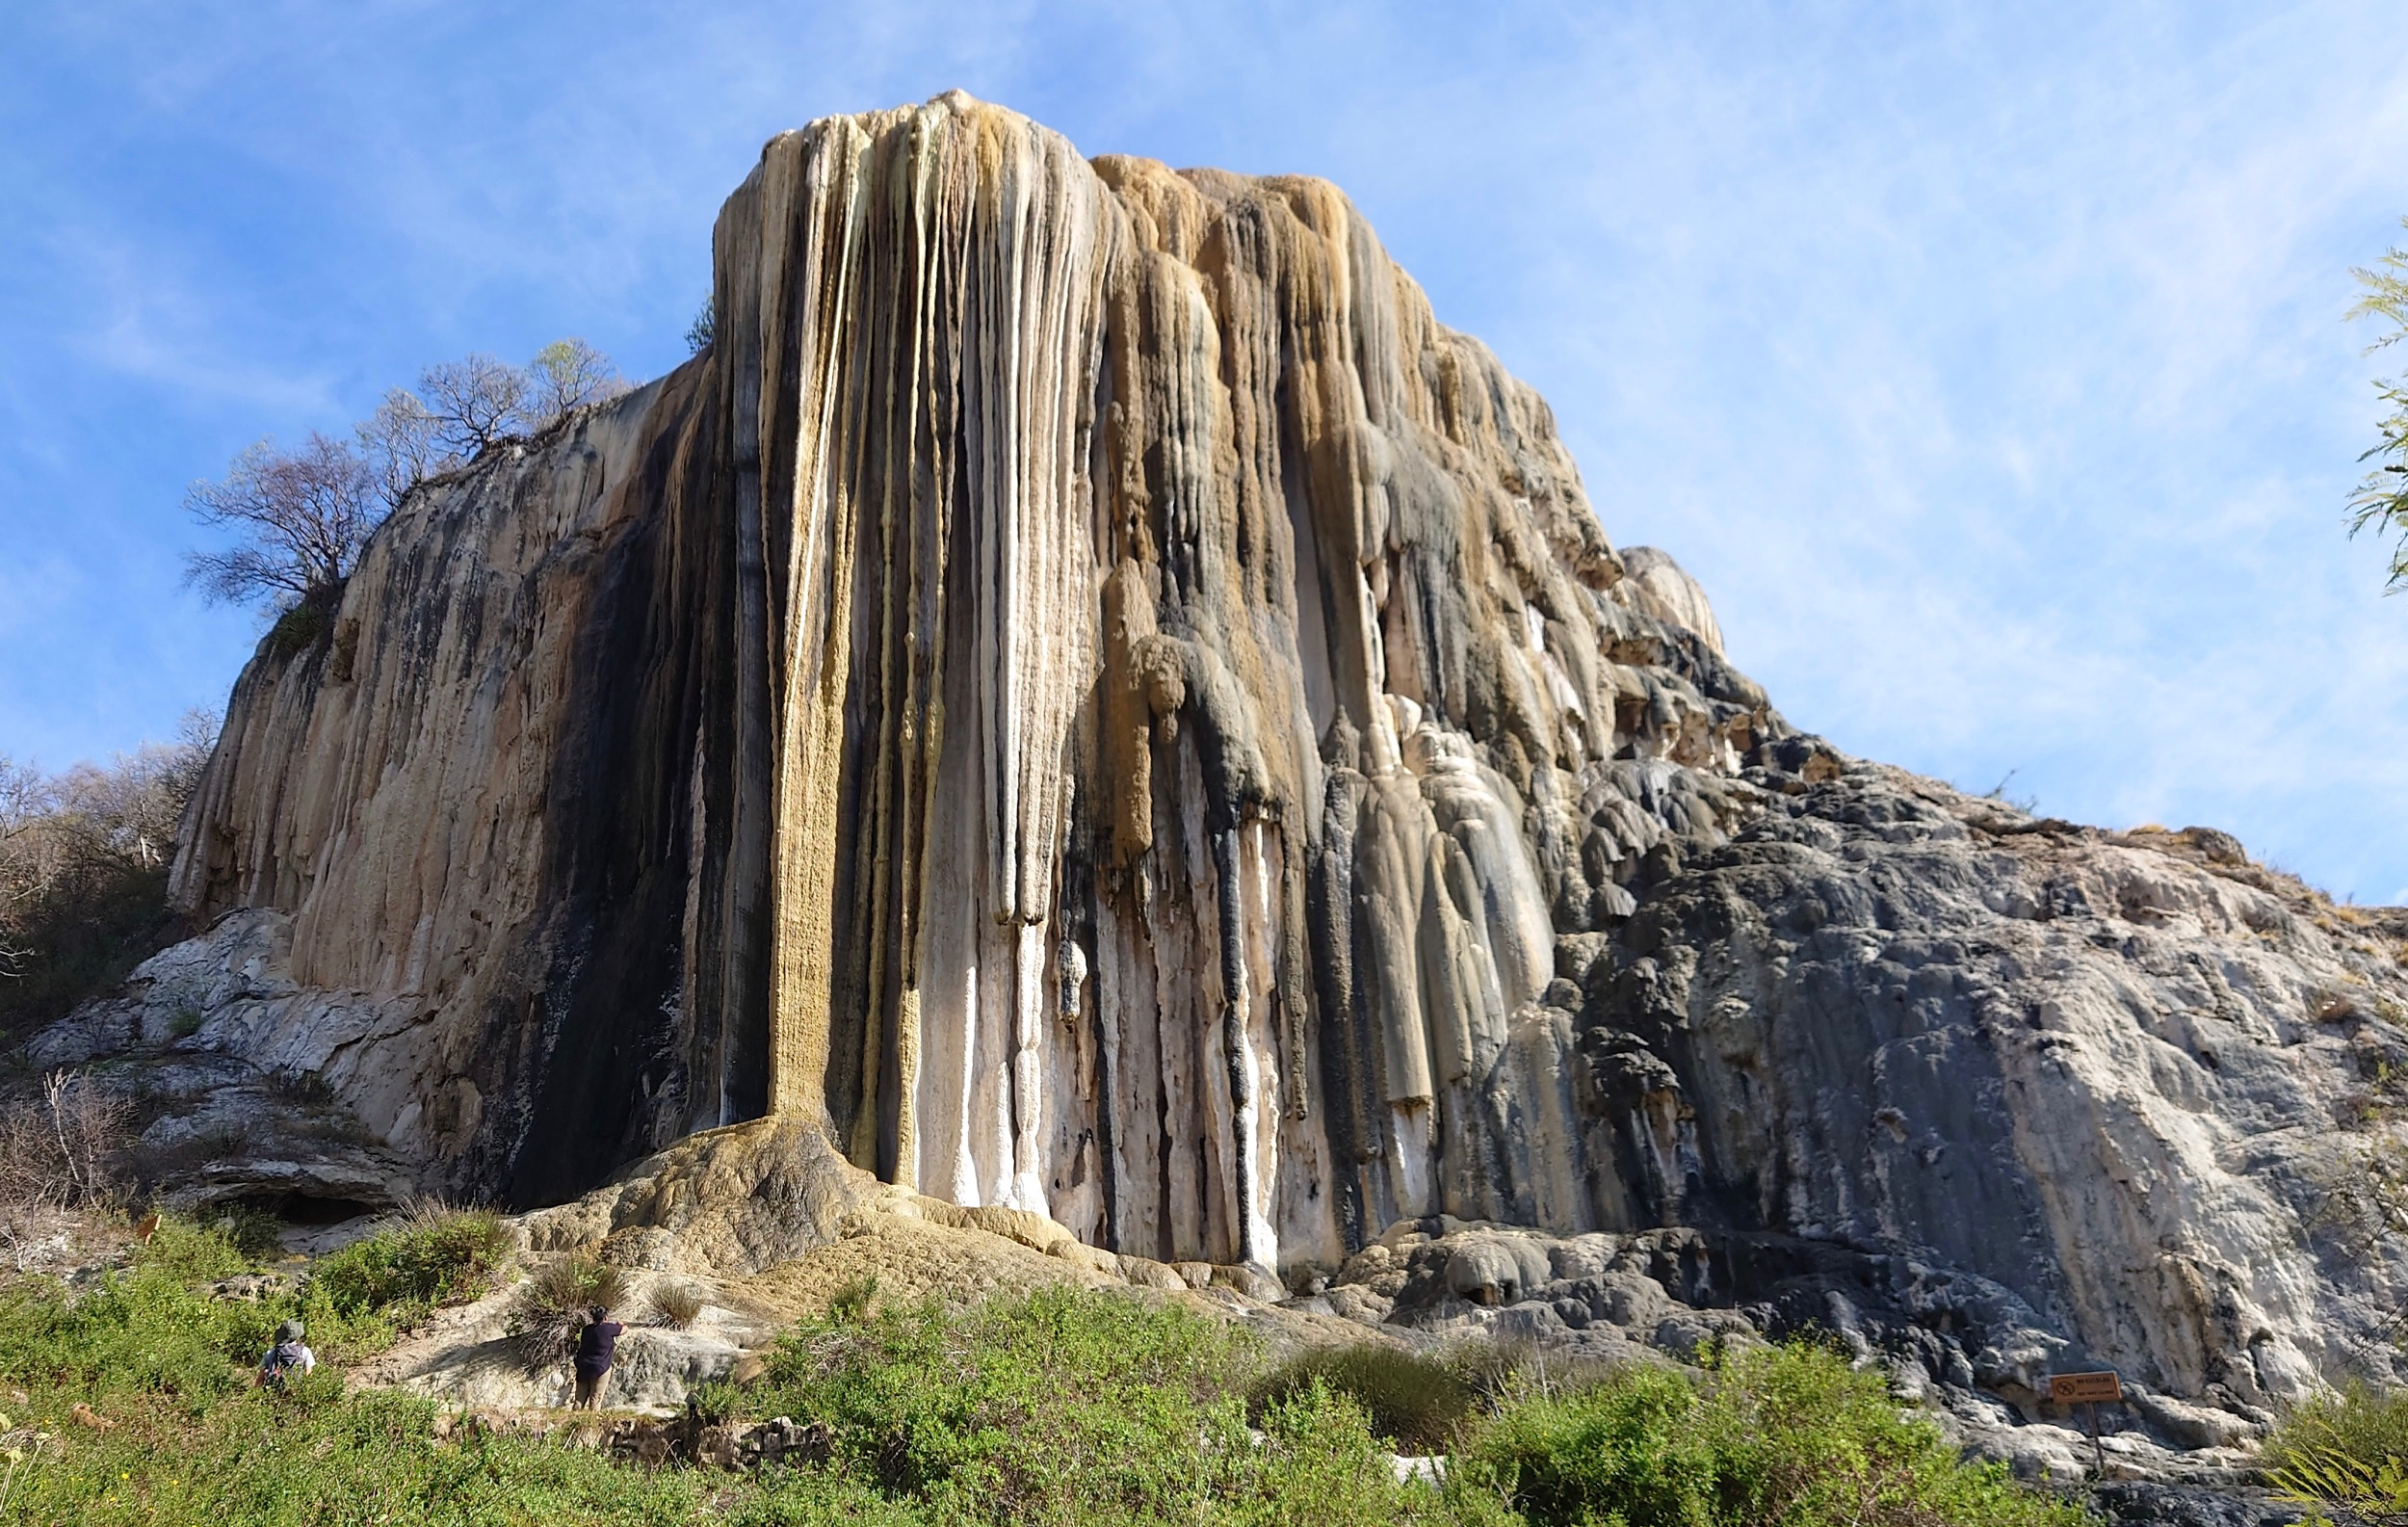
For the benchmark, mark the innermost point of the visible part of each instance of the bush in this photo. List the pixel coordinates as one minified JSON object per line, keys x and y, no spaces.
{"x":1773,"y":1436}
{"x":550,"y":1308}
{"x":675,"y":1303}
{"x":1058,"y":1405}
{"x":146,"y":1327}
{"x":65,"y":1148}
{"x":193,"y":1252}
{"x":2347,"y":1451}
{"x":299,"y":629}
{"x":255,"y":1233}
{"x":435,"y":1255}
{"x":1419,"y":1402}
{"x":311,"y":1454}
{"x":1067,"y":1405}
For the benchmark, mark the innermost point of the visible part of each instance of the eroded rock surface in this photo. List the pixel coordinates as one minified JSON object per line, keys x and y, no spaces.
{"x":1087,"y":702}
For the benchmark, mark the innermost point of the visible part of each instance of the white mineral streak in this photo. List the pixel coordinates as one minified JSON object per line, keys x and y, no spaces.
{"x":946,"y":310}
{"x":1076,"y":454}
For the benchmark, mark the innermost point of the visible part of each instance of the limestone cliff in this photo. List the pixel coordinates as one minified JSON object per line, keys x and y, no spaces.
{"x":1091,"y":695}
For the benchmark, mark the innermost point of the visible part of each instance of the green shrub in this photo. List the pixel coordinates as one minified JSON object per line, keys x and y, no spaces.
{"x":299,"y":629}
{"x":1067,"y":1406}
{"x":1319,"y":1464}
{"x":1773,"y":1436}
{"x":192,"y":1253}
{"x":153,"y":1328}
{"x":1005,"y":1403}
{"x":2347,"y":1451}
{"x":255,"y":1234}
{"x":1419,"y":1402}
{"x":312,"y":1454}
{"x":1058,"y":1405}
{"x":435,"y":1255}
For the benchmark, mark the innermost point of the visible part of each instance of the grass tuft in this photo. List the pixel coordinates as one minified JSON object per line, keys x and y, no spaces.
{"x":2346,"y":1451}
{"x":675,"y":1303}
{"x":551,"y":1305}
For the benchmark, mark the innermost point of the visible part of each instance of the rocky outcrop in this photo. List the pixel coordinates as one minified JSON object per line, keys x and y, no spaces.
{"x":1087,"y":701}
{"x":2112,"y":1073}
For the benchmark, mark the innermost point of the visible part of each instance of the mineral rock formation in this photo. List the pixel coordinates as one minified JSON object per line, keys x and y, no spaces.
{"x":1091,"y":700}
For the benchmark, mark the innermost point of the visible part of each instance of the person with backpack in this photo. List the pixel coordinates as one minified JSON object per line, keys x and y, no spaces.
{"x":286,"y":1355}
{"x":596,"y":1345}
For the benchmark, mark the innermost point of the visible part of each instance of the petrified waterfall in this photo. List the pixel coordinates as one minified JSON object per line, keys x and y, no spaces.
{"x":1085,"y":685}
{"x":1181,"y":666}
{"x":1086,"y":698}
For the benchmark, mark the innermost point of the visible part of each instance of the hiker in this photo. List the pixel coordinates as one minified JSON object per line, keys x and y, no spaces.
{"x":597,"y":1344}
{"x":287,"y":1354}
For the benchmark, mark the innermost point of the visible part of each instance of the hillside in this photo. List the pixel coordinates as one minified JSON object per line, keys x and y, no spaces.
{"x":1088,"y":713}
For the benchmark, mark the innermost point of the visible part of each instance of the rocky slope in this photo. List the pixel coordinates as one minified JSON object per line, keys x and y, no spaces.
{"x":1088,"y":701}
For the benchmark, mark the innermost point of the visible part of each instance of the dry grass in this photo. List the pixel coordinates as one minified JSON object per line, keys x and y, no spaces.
{"x":675,"y":1303}
{"x":550,"y":1308}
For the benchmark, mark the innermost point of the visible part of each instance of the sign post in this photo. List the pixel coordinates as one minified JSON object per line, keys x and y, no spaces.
{"x":2088,"y":1389}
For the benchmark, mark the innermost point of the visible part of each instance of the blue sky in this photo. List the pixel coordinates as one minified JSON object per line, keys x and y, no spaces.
{"x":1984,"y":362}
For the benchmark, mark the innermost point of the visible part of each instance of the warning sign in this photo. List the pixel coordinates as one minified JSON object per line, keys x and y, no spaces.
{"x":2074,"y":1388}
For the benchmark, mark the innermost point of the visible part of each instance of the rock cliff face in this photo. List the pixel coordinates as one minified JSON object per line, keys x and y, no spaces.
{"x":1087,"y":696}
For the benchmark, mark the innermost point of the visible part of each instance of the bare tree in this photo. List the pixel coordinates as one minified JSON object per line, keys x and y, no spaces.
{"x":404,"y":442}
{"x":88,"y":1121}
{"x":132,"y":807}
{"x":64,"y":1150}
{"x":24,"y":794}
{"x":476,"y":401}
{"x":567,"y":375}
{"x":305,"y":512}
{"x":83,"y":862}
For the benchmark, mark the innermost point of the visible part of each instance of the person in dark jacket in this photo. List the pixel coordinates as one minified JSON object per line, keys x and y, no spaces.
{"x":596,"y":1345}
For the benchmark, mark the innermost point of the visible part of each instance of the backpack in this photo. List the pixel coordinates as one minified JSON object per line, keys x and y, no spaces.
{"x":282,"y":1359}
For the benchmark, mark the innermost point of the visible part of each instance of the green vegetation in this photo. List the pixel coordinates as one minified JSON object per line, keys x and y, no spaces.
{"x":436,"y":1255}
{"x":299,"y":629}
{"x":2347,"y":1452}
{"x":1061,"y":1405}
{"x":1419,"y":1403}
{"x":258,"y":1234}
{"x":1787,"y":1435}
{"x":1055,"y":1406}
